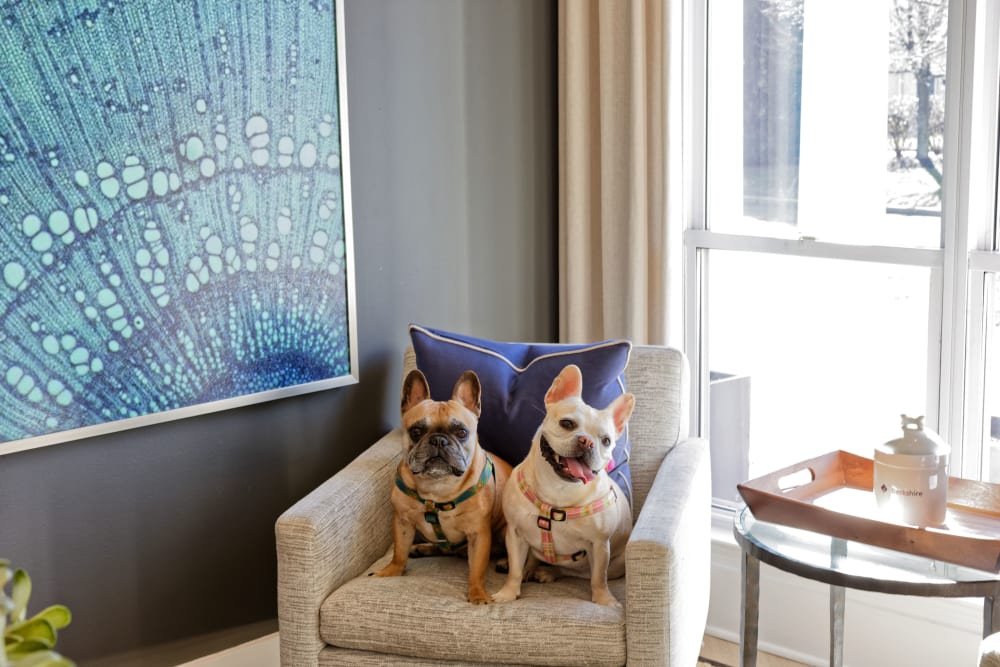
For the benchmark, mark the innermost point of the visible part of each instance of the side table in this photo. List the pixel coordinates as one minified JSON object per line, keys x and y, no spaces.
{"x":845,"y":564}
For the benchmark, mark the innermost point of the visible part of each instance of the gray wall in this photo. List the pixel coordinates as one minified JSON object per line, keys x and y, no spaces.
{"x":160,"y":534}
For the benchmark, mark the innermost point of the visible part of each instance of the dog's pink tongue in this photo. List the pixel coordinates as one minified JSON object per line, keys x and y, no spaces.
{"x":578,"y":469}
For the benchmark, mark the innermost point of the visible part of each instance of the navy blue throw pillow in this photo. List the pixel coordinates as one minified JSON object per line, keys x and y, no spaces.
{"x":515,"y":378}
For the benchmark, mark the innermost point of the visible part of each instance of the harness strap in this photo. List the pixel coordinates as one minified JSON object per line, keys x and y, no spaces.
{"x":431,"y":508}
{"x":550,"y":513}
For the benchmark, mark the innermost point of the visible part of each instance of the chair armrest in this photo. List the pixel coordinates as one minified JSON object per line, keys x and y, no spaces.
{"x":329,"y":537}
{"x":668,"y":561}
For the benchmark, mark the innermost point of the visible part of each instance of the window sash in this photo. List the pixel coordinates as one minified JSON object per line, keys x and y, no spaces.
{"x":696,"y":274}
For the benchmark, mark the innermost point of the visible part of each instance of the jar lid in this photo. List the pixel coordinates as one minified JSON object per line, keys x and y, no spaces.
{"x":916,"y":440}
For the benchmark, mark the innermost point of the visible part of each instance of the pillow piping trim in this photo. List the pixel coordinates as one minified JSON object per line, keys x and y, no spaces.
{"x":550,"y":355}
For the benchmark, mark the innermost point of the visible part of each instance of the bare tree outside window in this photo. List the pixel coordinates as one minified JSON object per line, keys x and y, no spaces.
{"x":902,"y":111}
{"x":918,"y":35}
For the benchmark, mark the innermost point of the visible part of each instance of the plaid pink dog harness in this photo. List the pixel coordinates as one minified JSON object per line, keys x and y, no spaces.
{"x":549,"y":513}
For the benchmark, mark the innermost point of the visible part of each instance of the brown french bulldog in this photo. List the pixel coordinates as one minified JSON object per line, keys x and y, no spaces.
{"x":447,"y":487}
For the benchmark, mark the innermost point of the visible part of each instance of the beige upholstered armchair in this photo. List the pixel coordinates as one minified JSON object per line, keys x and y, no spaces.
{"x":332,"y":614}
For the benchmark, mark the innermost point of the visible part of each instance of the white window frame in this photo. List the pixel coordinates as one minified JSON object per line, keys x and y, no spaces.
{"x":958,"y":270}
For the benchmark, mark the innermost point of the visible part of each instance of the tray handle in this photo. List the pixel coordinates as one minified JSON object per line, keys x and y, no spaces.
{"x":806,"y":479}
{"x":791,"y":482}
{"x":796,"y":479}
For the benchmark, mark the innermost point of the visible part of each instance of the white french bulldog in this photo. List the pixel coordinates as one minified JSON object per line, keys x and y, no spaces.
{"x":561,"y":506}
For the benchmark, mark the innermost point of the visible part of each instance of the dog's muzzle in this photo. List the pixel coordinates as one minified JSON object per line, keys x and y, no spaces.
{"x":437,"y":455}
{"x":570,"y":468}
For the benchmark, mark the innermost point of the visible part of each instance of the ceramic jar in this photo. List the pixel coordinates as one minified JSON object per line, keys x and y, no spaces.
{"x":911,"y":476}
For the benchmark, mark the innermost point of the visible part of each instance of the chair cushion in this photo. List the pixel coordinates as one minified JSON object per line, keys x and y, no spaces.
{"x":515,"y":378}
{"x":425,"y":613}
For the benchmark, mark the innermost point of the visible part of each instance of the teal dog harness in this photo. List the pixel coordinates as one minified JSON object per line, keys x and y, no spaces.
{"x":431,"y":508}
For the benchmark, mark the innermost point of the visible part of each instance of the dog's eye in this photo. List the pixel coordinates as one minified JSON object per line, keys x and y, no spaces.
{"x":416,"y":433}
{"x":461,"y":434}
{"x":606,"y":441}
{"x":567,"y":424}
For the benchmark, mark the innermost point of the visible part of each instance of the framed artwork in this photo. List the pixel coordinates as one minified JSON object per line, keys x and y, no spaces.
{"x":175,"y":218}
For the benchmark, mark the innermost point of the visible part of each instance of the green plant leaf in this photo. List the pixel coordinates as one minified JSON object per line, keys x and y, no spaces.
{"x":28,"y":646}
{"x":57,"y":615}
{"x":20,"y":594}
{"x":28,"y":643}
{"x":36,"y":628}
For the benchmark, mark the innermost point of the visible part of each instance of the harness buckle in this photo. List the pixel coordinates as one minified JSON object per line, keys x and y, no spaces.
{"x":579,"y":555}
{"x":446,"y":507}
{"x":558,"y":514}
{"x":544,"y":522}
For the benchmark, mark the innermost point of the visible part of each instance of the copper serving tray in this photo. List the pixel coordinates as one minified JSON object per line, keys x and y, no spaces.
{"x":832,"y":495}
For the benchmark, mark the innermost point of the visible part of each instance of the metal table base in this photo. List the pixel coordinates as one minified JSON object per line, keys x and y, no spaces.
{"x":821,"y":558}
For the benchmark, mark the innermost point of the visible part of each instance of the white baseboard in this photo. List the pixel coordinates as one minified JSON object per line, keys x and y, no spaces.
{"x":794,"y":619}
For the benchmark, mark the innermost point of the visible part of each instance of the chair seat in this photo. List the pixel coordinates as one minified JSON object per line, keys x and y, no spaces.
{"x":425,"y":613}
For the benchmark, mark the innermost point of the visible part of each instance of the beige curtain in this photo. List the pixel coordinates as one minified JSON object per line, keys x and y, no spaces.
{"x":614,"y":59}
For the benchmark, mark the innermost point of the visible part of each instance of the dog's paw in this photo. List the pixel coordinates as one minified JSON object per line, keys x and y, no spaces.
{"x":505,"y":594}
{"x":607,"y":599}
{"x":480,"y":597}
{"x":388,"y":571}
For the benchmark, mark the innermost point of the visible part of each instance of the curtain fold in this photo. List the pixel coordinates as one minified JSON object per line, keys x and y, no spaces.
{"x":613,"y":60}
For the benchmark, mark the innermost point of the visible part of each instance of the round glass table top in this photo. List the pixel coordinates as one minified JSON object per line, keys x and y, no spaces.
{"x":856,"y":565}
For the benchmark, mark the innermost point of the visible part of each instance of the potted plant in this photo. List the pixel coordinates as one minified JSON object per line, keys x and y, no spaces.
{"x":28,"y":642}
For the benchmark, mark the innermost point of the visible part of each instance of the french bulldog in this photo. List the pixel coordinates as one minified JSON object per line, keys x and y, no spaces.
{"x":447,"y":487}
{"x":562,"y":508}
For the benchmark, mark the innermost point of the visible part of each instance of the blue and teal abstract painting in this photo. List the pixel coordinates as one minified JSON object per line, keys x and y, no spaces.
{"x":174,"y":210}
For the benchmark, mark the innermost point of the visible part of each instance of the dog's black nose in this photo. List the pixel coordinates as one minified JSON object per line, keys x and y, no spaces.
{"x":438,"y":440}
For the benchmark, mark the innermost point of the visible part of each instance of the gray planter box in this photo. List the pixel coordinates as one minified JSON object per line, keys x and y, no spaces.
{"x":729,"y":432}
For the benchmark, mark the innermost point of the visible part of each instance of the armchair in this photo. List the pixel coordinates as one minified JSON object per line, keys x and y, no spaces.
{"x":330,"y":613}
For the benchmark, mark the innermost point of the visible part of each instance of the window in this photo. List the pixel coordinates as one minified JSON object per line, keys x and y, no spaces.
{"x":841,"y":264}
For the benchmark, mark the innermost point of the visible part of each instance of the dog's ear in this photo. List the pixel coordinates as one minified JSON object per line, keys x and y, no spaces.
{"x":415,"y":390}
{"x":567,"y":384}
{"x":621,"y":409}
{"x":468,"y":392}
